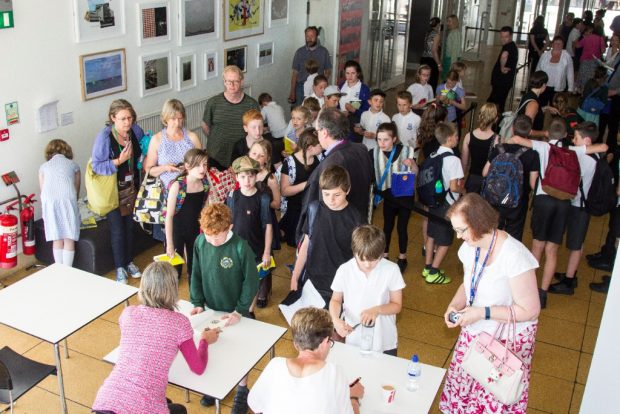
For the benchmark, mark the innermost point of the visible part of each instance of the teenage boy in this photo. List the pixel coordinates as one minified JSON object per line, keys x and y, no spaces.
{"x":440,"y":234}
{"x":326,"y":238}
{"x":372,"y":290}
{"x":253,"y":127}
{"x":512,"y":220}
{"x":224,"y":278}
{"x":407,"y":122}
{"x":332,"y":97}
{"x":372,"y":118}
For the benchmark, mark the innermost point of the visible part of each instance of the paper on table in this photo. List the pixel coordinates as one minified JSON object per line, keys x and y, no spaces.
{"x":310,"y":297}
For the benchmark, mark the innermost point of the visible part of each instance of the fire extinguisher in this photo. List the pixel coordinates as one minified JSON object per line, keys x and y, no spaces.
{"x":27,"y":219}
{"x":8,"y":239}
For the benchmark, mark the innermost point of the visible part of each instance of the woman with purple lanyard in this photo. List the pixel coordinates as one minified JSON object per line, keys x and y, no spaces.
{"x":499,"y":275}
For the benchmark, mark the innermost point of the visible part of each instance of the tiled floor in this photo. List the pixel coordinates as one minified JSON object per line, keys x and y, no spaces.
{"x":565,"y":342}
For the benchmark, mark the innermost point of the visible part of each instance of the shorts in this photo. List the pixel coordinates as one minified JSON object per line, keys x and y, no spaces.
{"x":440,"y":231}
{"x":549,"y":217}
{"x":576,"y":227}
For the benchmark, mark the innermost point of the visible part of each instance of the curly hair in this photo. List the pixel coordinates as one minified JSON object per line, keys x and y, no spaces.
{"x":215,"y":219}
{"x":58,"y":146}
{"x":431,"y":116}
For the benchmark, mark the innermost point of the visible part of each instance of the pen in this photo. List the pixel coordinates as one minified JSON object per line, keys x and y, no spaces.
{"x":355,"y":382}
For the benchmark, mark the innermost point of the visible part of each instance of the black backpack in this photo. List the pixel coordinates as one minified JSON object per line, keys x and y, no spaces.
{"x":430,"y":182}
{"x":601,"y":198}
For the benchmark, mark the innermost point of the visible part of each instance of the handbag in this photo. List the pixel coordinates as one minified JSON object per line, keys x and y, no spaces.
{"x":221,"y":183}
{"x":126,"y":198}
{"x":494,"y":365}
{"x":101,"y":191}
{"x":591,"y":104}
{"x":403,"y":184}
{"x":149,"y":201}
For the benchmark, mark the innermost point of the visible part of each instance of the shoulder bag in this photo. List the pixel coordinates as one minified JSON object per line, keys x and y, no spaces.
{"x":149,"y":201}
{"x":101,"y":191}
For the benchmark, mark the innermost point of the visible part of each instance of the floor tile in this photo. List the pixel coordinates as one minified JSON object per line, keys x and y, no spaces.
{"x":97,"y":339}
{"x":555,"y":361}
{"x":566,"y":308}
{"x":559,"y":332}
{"x":584,"y":368}
{"x":575,"y":403}
{"x":549,"y":394}
{"x":39,"y":400}
{"x":426,"y":328}
{"x":589,"y":339}
{"x":595,"y":314}
{"x":428,"y":354}
{"x":16,"y":340}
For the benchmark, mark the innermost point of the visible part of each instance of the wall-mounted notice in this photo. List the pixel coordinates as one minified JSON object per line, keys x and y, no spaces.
{"x":12,"y":113}
{"x":47,"y":117}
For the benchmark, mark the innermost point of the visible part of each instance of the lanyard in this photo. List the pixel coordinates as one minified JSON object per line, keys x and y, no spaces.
{"x":475,"y":280}
{"x":120,"y":148}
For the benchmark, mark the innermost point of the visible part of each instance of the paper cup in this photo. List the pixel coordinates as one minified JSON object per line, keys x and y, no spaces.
{"x":388,"y":392}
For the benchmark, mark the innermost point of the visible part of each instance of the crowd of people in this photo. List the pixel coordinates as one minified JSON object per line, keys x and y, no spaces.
{"x":314,"y":182}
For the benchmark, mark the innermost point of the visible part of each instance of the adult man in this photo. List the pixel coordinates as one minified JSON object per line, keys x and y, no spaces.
{"x":566,"y":27}
{"x":573,"y":36}
{"x":311,"y":50}
{"x":332,"y":128}
{"x":222,"y":119}
{"x":504,"y":70}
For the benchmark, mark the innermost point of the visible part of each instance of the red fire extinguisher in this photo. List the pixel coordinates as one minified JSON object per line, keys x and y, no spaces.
{"x":27,"y":219}
{"x":8,"y":239}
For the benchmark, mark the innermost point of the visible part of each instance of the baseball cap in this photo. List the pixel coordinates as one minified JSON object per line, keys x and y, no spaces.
{"x":332,"y":90}
{"x":245,"y":163}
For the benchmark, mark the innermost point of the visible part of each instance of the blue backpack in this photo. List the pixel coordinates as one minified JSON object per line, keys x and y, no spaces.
{"x":430,"y":181}
{"x":503,"y":185}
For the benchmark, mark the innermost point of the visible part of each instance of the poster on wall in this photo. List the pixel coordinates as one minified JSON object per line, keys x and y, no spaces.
{"x":210,"y":65}
{"x":351,"y":14}
{"x":6,"y":14}
{"x":264,"y":54}
{"x":98,"y":19}
{"x":237,"y":56}
{"x":186,"y":71}
{"x":198,"y":20}
{"x":243,"y":18}
{"x":155,"y":73}
{"x":278,"y":13}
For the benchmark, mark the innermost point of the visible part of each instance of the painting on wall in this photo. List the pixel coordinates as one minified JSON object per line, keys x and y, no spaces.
{"x":186,"y":71}
{"x":98,"y":19}
{"x":264,"y":54}
{"x":103,"y":73}
{"x":210,"y":65}
{"x":243,"y":18}
{"x":198,"y":20}
{"x":351,"y":15}
{"x":154,"y":23}
{"x":155,"y":73}
{"x":237,"y":56}
{"x":278,"y":13}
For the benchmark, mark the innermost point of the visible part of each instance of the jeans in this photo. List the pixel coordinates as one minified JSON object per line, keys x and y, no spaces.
{"x":299,"y":93}
{"x":121,"y":237}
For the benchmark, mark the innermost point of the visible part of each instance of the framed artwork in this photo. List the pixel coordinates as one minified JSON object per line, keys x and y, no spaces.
{"x":198,"y":20}
{"x":155,"y":73}
{"x":186,"y":71}
{"x":153,"y":22}
{"x":103,"y":73}
{"x":237,"y":56}
{"x":264,"y":54}
{"x":98,"y":19}
{"x":278,"y":13}
{"x":210,"y":65}
{"x":243,"y":18}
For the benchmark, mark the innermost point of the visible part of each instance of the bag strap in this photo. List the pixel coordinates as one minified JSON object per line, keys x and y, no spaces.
{"x":524,"y":104}
{"x":387,"y":168}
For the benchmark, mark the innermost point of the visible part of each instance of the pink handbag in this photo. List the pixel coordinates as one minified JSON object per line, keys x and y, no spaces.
{"x":494,"y":365}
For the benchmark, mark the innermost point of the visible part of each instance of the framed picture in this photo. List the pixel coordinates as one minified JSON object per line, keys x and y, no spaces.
{"x":103,"y":73}
{"x":210,"y":65}
{"x":264,"y":54}
{"x":98,"y":19}
{"x":155,"y":73}
{"x":237,"y":56}
{"x":278,"y":13}
{"x":198,"y":20}
{"x":153,"y":22}
{"x":186,"y":71}
{"x":243,"y":18}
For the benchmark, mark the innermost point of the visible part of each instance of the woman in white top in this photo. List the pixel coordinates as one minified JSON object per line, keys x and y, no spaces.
{"x":354,"y":96}
{"x":558,"y":65}
{"x":499,"y":272}
{"x":421,"y":91}
{"x":307,"y":383}
{"x":612,"y":50}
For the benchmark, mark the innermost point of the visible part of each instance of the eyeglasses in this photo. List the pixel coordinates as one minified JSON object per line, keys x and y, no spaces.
{"x":232,"y":82}
{"x":331,"y":342}
{"x":460,"y":231}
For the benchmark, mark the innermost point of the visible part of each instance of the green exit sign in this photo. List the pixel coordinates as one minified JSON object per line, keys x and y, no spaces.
{"x":6,"y":19}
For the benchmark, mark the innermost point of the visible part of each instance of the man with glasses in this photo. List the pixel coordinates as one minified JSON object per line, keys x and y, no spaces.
{"x":311,"y":50}
{"x":222,"y":120}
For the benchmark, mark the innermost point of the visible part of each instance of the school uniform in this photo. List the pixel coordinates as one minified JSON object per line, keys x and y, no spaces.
{"x":407,"y":127}
{"x":370,"y":121}
{"x":578,"y":217}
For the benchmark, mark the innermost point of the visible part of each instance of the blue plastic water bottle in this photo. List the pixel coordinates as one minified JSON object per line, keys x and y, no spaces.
{"x":414,"y":370}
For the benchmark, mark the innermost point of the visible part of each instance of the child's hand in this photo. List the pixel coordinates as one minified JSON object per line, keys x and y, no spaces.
{"x":343,"y":328}
{"x":349,"y":107}
{"x":211,"y":335}
{"x":408,"y":162}
{"x":266,"y":260}
{"x":293,"y":283}
{"x":231,"y":318}
{"x":368,"y":316}
{"x":196,"y":310}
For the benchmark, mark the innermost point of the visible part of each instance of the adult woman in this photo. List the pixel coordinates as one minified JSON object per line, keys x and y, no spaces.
{"x":356,"y":93}
{"x":117,"y":151}
{"x":452,"y":50}
{"x":558,"y":65}
{"x":151,"y":336}
{"x":421,"y":91}
{"x":612,"y":50}
{"x":430,"y":54}
{"x":477,"y":145}
{"x":306,"y":383}
{"x":593,"y":47}
{"x":499,"y":274}
{"x":537,"y":41}
{"x":530,"y":103}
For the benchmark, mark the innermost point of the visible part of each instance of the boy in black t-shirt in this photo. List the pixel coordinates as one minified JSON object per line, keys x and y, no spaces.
{"x":326,"y":240}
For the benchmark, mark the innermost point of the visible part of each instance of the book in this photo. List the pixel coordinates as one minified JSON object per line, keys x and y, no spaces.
{"x":176,"y":260}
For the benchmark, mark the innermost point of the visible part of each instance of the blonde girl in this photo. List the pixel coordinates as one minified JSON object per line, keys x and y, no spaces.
{"x":300,"y":119}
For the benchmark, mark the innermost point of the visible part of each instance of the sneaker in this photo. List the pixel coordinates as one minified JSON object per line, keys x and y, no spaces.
{"x":240,"y":402}
{"x":207,"y":401}
{"x":402,"y":265}
{"x":133,"y":270}
{"x":560,"y":276}
{"x":121,"y":275}
{"x":565,"y":286}
{"x":542,"y":295}
{"x":426,"y":272}
{"x":438,"y":278}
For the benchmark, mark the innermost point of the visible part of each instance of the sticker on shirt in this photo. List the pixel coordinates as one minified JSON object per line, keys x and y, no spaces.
{"x":409,"y":127}
{"x":226,"y":262}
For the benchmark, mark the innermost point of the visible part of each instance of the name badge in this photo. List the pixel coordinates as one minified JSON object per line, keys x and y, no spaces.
{"x":128,"y":177}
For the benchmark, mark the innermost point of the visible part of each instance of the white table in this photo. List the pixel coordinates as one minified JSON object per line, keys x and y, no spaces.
{"x":378,"y":369}
{"x":235,"y":353}
{"x":55,"y":302}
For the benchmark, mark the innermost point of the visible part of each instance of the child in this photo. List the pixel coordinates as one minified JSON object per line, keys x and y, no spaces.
{"x":332,"y":97}
{"x":273,"y":116}
{"x":387,"y":141}
{"x":461,"y":68}
{"x":451,"y":95}
{"x":477,"y":146}
{"x":421,"y":91}
{"x":152,"y":334}
{"x":372,"y":118}
{"x":326,"y":239}
{"x":224,"y":278}
{"x":312,"y":104}
{"x":312,"y":67}
{"x":440,"y":235}
{"x":186,"y":196}
{"x":300,"y":118}
{"x":296,"y":169}
{"x":560,"y":107}
{"x":407,"y":122}
{"x":253,"y":127}
{"x":59,"y":181}
{"x":372,"y":290}
{"x":318,"y":89}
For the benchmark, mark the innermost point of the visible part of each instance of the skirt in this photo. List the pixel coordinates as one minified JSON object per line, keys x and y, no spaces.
{"x":464,"y":395}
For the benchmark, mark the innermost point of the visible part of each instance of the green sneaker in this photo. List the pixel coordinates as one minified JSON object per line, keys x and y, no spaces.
{"x":438,"y":278}
{"x":426,"y":272}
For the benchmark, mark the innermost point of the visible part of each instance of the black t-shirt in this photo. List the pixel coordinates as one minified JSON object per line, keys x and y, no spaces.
{"x":540,"y":34}
{"x":240,"y":148}
{"x":301,"y":175}
{"x":530,"y":161}
{"x":132,"y":163}
{"x":511,"y":63}
{"x":539,"y":120}
{"x":250,"y":216}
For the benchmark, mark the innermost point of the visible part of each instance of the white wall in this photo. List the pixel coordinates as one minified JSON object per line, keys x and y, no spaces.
{"x":40,"y":63}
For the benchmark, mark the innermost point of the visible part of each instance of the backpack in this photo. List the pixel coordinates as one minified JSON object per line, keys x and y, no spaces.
{"x":430,"y":183}
{"x":503,"y":185}
{"x":508,"y":118}
{"x":563,"y":174}
{"x":601,"y":197}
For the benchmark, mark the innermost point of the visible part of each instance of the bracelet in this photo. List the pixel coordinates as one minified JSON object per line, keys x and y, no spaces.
{"x":487,"y":313}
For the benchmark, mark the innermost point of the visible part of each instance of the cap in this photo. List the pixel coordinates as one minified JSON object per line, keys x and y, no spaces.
{"x":332,"y":90}
{"x":245,"y":163}
{"x":377,"y":92}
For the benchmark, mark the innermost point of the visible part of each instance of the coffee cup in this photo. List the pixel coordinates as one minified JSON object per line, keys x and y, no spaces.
{"x":388,"y":392}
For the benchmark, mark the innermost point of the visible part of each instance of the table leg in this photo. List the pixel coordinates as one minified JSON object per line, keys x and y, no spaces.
{"x":217,"y":406}
{"x":66,"y":349}
{"x":186,"y":395}
{"x":127,"y":303}
{"x":272,"y":352}
{"x":61,"y":386}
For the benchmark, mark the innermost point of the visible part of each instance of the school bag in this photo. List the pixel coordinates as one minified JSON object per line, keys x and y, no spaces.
{"x":563,"y":174}
{"x":508,"y":118}
{"x":430,"y":182}
{"x":601,"y":197}
{"x":592,"y":104}
{"x":503,"y":185}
